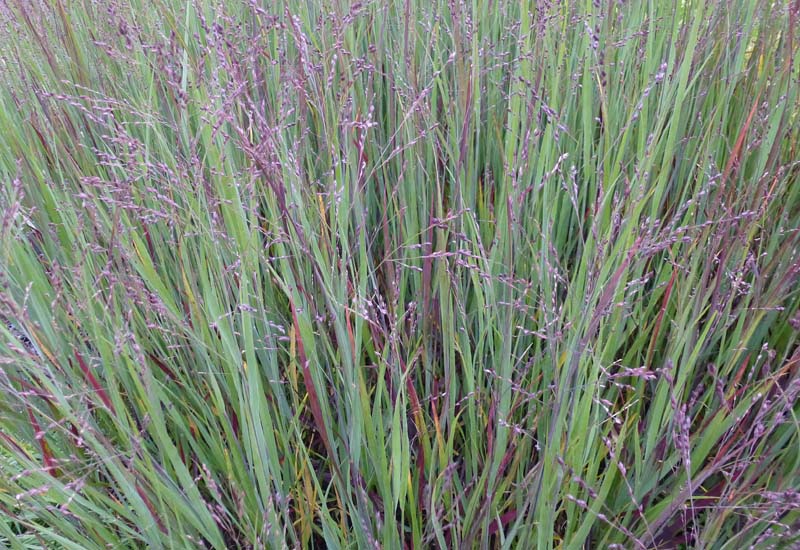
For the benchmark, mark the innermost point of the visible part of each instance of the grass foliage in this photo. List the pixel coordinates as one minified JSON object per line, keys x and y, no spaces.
{"x":399,"y":274}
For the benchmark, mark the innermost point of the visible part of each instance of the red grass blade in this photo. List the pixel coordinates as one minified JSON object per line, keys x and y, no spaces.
{"x":47,"y":455}
{"x":316,"y":409}
{"x":94,"y":383}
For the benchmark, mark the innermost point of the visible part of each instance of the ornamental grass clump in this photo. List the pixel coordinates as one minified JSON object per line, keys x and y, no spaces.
{"x":418,"y":274}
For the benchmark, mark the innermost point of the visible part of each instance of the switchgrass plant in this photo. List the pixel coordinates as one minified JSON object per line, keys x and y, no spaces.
{"x":418,"y":274}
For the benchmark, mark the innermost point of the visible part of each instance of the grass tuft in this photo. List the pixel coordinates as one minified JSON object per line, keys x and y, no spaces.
{"x":411,"y":274}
